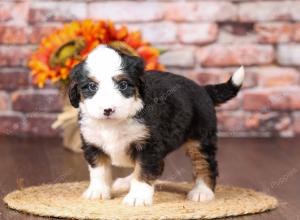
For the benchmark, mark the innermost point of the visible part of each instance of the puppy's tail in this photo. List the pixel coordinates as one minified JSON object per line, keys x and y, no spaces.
{"x":220,"y":93}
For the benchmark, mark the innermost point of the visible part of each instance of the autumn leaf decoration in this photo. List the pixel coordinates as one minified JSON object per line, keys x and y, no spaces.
{"x":67,"y":46}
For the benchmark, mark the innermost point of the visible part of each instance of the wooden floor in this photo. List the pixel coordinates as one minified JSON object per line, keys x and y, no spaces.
{"x":268,"y":165}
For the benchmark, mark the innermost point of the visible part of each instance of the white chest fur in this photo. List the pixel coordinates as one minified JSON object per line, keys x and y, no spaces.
{"x":114,"y":138}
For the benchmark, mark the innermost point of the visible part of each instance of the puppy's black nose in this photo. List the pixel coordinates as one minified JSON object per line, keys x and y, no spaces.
{"x":108,"y":111}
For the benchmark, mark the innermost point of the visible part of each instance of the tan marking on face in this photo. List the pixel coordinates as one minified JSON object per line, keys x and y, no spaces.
{"x":94,"y":79}
{"x":120,"y":77}
{"x":136,"y":93}
{"x":199,"y":162}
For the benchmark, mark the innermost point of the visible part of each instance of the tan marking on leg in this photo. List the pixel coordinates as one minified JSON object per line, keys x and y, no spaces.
{"x":137,"y":171}
{"x":200,"y":165}
{"x":141,"y":175}
{"x":103,"y":159}
{"x":137,"y":174}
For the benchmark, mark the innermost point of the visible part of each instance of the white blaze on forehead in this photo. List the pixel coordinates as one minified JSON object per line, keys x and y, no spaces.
{"x":103,"y":62}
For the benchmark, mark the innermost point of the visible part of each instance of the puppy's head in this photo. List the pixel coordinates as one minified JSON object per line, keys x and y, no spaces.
{"x":106,"y":85}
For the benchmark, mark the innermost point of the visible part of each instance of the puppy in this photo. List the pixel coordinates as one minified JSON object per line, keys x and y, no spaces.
{"x":134,"y":118}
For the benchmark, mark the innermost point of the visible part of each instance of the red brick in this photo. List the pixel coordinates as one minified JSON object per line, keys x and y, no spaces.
{"x":180,"y":71}
{"x":253,"y":121}
{"x":294,"y":7}
{"x":181,"y":11}
{"x":13,"y":35}
{"x":266,"y":11}
{"x":273,"y":122}
{"x":40,"y":31}
{"x":56,"y":11}
{"x":198,"y":33}
{"x":269,"y":11}
{"x":295,"y":100}
{"x":232,"y":104}
{"x":14,"y":55}
{"x":4,"y":101}
{"x":277,"y":76}
{"x":233,"y":32}
{"x":228,"y":36}
{"x":126,"y":11}
{"x":283,"y":123}
{"x":272,"y":99}
{"x":14,"y":12}
{"x":11,"y":124}
{"x":40,"y":101}
{"x":288,"y":54}
{"x":40,"y":125}
{"x":257,"y":100}
{"x":178,"y":57}
{"x":296,"y":123}
{"x":201,"y":11}
{"x":296,"y":33}
{"x":232,"y":122}
{"x":5,"y":13}
{"x":285,"y":99}
{"x":13,"y":80}
{"x":235,"y":55}
{"x":258,"y":121}
{"x":238,"y":29}
{"x":274,"y":32}
{"x":261,"y":100}
{"x":204,"y":78}
{"x":159,"y":32}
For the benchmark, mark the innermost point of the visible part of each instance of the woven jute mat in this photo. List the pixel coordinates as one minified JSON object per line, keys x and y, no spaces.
{"x":64,"y":201}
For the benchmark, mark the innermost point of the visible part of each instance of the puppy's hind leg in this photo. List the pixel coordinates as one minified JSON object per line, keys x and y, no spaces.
{"x":204,"y":169}
{"x":122,"y":184}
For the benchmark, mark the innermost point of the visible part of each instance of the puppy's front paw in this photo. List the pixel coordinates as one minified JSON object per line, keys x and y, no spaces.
{"x":201,"y":193}
{"x":133,"y":199}
{"x":141,"y":194}
{"x":201,"y":196}
{"x":97,"y":192}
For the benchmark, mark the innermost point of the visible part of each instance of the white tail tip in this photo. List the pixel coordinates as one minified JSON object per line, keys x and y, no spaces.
{"x":238,"y":76}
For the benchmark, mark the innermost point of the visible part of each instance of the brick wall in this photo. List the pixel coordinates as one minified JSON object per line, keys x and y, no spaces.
{"x":206,"y":40}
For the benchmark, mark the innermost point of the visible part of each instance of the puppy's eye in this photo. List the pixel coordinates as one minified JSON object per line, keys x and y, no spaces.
{"x":92,"y":86}
{"x":123,"y":85}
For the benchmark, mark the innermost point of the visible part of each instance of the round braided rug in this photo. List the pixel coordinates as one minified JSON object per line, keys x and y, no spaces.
{"x":64,"y":201}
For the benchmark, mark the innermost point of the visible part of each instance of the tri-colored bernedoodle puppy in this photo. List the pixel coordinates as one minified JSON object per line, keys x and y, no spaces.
{"x":134,"y":118}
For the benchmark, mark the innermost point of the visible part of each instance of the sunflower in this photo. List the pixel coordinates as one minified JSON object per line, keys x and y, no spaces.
{"x":60,"y":51}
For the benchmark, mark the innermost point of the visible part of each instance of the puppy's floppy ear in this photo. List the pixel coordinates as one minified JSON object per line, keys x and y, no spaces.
{"x":133,"y":65}
{"x":138,"y":65}
{"x":74,"y":94}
